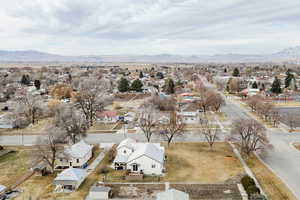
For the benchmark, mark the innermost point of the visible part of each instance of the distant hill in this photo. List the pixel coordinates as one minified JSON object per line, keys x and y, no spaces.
{"x":286,"y":55}
{"x":37,"y":56}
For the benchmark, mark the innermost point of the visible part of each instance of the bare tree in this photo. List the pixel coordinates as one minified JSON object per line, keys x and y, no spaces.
{"x":253,"y":102}
{"x":91,"y":98}
{"x":147,"y":121}
{"x":71,"y":121}
{"x":234,"y":85}
{"x":209,"y":131}
{"x":275,"y":117}
{"x":265,"y":109}
{"x":291,"y":121}
{"x":48,"y":146}
{"x":174,"y":127}
{"x":249,"y":135}
{"x":30,"y":107}
{"x":216,"y":101}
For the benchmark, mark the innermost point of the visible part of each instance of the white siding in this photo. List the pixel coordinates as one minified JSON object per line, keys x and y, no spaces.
{"x":124,"y":151}
{"x":145,"y":163}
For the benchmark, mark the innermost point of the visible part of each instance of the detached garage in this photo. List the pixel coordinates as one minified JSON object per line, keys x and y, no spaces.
{"x":69,"y":179}
{"x":99,"y":193}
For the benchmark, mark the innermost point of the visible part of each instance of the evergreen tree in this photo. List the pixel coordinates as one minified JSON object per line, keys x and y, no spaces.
{"x":141,"y":74}
{"x":289,"y":77}
{"x":276,"y":86}
{"x":236,"y":72}
{"x":137,"y":85}
{"x":254,"y":85}
{"x":123,"y":85}
{"x":159,"y":75}
{"x":225,"y":70}
{"x":37,"y":84}
{"x":25,"y":79}
{"x":169,"y":86}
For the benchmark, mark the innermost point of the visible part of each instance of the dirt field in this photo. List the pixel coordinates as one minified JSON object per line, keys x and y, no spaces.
{"x":194,"y":162}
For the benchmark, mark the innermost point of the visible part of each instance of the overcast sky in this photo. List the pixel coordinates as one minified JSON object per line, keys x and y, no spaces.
{"x":82,"y":27}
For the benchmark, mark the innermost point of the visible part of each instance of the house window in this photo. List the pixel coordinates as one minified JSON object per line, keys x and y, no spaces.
{"x":153,"y":166}
{"x":77,"y":160}
{"x":61,"y":160}
{"x":135,"y":167}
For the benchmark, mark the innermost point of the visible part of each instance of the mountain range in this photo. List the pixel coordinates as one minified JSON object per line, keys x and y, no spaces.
{"x":286,"y":55}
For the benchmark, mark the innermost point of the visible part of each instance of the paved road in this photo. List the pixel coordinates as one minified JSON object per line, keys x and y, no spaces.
{"x":102,"y":138}
{"x":284,"y":159}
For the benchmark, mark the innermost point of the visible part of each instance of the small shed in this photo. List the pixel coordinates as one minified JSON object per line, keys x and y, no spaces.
{"x":99,"y":193}
{"x":172,"y":194}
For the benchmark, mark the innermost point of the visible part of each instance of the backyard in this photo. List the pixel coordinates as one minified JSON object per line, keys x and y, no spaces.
{"x":194,"y":162}
{"x":37,"y":187}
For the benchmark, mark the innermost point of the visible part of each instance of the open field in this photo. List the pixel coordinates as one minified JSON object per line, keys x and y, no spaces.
{"x":14,"y":165}
{"x":196,"y":163}
{"x":271,"y":184}
{"x":35,"y":129}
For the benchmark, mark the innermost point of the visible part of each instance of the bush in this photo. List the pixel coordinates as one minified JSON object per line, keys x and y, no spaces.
{"x":104,"y":170}
{"x":252,"y":189}
{"x":1,"y":147}
{"x":247,"y":181}
{"x":112,"y":153}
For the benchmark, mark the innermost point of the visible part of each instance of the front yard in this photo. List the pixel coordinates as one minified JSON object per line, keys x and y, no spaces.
{"x":32,"y":129}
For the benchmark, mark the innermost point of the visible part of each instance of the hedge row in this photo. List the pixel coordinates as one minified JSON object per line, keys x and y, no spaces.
{"x":252,"y":190}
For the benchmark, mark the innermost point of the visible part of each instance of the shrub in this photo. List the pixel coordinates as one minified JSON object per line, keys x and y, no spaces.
{"x":247,"y":181}
{"x":104,"y":170}
{"x":1,"y":147}
{"x":252,"y":189}
{"x":112,"y":154}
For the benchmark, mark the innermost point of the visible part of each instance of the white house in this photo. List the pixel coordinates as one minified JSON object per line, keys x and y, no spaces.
{"x":146,"y":158}
{"x":189,"y":114}
{"x":75,"y":156}
{"x":69,"y":179}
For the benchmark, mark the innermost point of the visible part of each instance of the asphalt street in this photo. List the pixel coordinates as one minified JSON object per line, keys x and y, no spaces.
{"x":283,"y":158}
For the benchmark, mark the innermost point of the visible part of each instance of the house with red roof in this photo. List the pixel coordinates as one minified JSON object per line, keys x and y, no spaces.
{"x":107,"y":116}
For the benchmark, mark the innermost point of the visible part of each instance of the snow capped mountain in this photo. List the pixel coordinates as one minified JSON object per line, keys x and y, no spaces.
{"x":286,"y":55}
{"x":292,"y":52}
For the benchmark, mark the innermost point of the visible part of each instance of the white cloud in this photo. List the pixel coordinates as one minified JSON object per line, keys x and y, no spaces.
{"x":150,"y":26}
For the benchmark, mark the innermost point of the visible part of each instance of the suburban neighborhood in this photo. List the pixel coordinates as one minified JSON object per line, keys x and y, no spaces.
{"x":150,"y":100}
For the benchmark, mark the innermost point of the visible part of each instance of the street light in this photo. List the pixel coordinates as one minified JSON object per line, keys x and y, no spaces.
{"x":124,"y":126}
